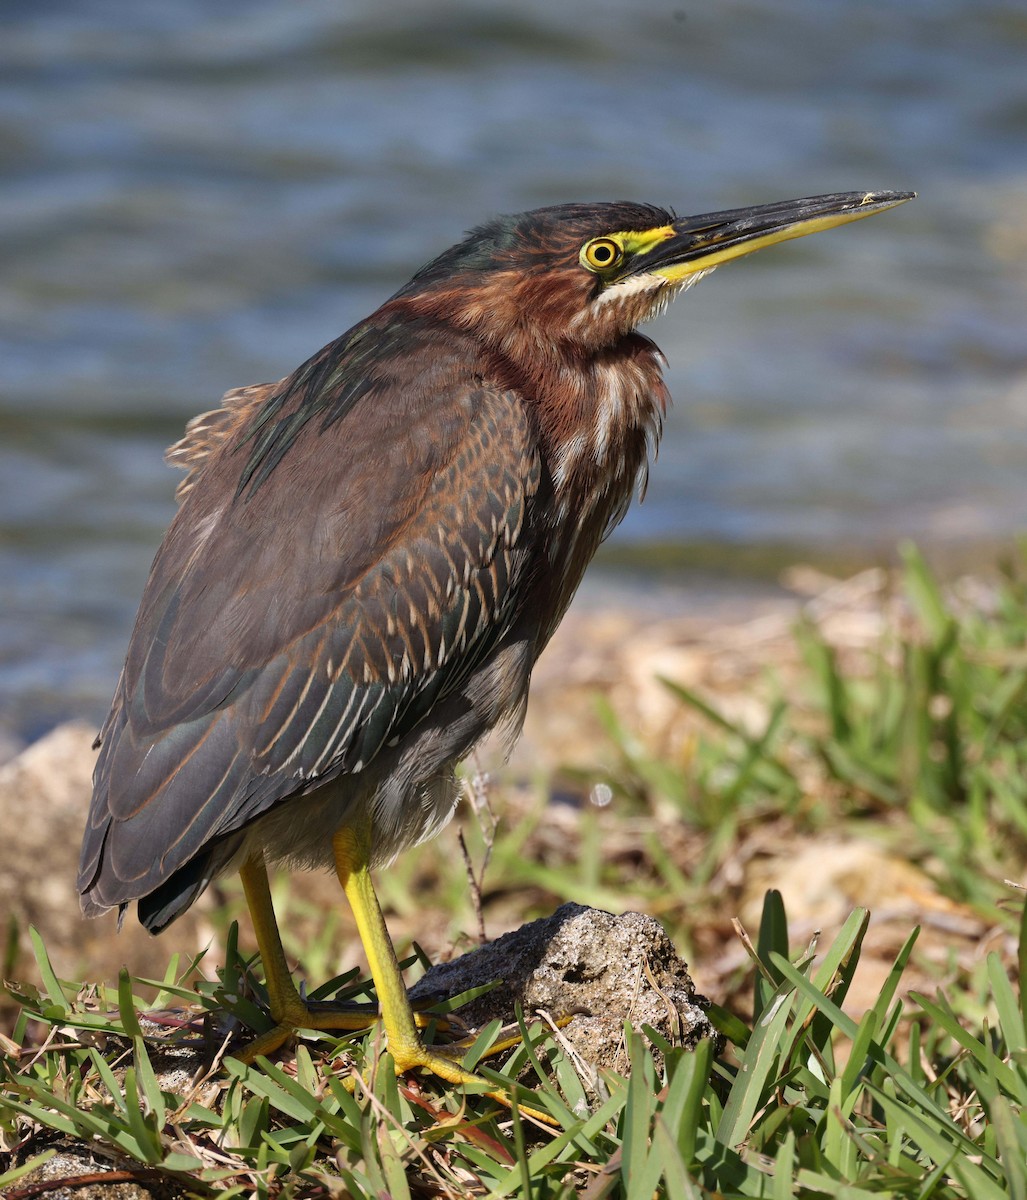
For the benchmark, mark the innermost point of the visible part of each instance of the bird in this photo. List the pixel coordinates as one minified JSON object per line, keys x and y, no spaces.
{"x":370,"y":555}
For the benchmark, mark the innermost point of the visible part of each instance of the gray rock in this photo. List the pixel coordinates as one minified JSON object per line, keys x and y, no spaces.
{"x":604,"y":969}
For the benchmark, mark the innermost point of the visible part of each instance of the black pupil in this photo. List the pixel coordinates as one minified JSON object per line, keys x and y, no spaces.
{"x":602,"y":254}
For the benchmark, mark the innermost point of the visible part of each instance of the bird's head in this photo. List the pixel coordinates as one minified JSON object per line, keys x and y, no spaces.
{"x":579,"y":277}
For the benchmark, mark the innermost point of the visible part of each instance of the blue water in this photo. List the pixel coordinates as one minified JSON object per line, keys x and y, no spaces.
{"x":196,"y":196}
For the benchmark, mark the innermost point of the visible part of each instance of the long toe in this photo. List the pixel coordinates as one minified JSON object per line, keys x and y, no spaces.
{"x":444,"y":1061}
{"x":304,"y":1017}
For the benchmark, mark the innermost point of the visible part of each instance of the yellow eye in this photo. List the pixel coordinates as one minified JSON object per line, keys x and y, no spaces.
{"x":601,"y":255}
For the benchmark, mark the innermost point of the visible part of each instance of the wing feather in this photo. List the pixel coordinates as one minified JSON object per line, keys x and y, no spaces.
{"x":206,"y":432}
{"x":291,"y":630}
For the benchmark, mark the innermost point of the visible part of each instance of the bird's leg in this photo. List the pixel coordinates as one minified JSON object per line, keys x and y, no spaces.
{"x":288,"y":1010}
{"x":283,"y":997}
{"x":351,"y":846}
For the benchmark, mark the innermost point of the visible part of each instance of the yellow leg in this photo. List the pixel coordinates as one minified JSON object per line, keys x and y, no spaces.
{"x":405,"y":1044}
{"x":408,"y":1050}
{"x":288,"y":1010}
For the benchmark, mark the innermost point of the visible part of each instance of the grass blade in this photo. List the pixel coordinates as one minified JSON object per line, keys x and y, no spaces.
{"x":761,"y":1055}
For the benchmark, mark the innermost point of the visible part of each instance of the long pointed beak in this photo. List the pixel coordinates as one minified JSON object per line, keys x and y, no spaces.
{"x":698,"y":244}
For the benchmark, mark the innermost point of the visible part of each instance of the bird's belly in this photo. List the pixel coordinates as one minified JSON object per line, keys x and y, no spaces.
{"x":408,"y":794}
{"x":299,"y":832}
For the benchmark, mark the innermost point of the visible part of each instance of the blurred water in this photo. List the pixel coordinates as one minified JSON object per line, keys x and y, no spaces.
{"x":197,"y":196}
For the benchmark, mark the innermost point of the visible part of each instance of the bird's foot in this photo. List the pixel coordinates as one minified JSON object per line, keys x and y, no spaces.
{"x":291,"y":1020}
{"x":444,"y":1061}
{"x":407,"y":1055}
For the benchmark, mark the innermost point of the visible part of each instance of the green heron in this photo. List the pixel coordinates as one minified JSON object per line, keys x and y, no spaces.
{"x":369,"y":557}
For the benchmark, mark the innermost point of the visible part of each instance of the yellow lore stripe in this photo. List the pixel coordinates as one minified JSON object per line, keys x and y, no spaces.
{"x":644,"y":240}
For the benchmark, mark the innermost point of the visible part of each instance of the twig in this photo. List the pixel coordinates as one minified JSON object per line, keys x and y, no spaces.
{"x":79,"y":1181}
{"x":478,"y":794}
{"x":475,"y":886}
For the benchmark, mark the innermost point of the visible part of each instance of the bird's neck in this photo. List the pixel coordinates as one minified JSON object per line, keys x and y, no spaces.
{"x":598,"y":409}
{"x":599,"y":420}
{"x":599,"y":417}
{"x":598,"y":414}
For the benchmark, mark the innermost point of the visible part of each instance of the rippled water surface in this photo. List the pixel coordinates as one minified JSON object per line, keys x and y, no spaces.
{"x":196,"y":196}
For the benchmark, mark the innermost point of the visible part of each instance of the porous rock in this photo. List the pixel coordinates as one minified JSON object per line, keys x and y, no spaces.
{"x":602,"y":968}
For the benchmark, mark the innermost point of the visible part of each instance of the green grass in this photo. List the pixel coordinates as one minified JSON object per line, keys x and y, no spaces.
{"x":921,"y":1092}
{"x":807,"y":1101}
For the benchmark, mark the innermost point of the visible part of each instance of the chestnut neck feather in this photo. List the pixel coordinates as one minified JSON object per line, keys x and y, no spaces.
{"x":597,"y":402}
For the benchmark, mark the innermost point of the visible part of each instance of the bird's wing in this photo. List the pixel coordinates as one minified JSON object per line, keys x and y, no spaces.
{"x":206,"y":432}
{"x":290,"y":629}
